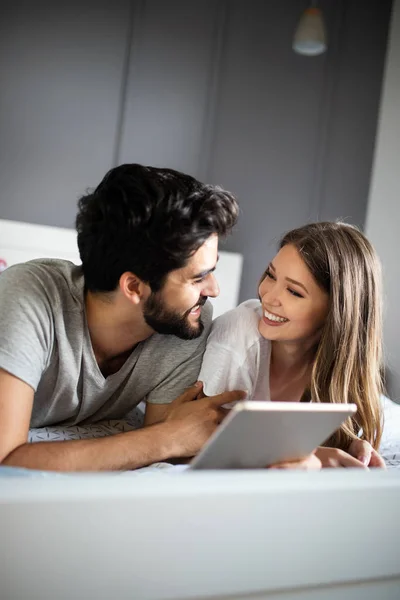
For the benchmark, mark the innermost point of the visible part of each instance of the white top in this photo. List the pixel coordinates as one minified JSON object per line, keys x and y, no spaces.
{"x":237,"y":357}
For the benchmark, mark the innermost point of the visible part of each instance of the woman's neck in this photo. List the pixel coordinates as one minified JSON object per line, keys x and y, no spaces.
{"x":290,"y":370}
{"x":292,"y":357}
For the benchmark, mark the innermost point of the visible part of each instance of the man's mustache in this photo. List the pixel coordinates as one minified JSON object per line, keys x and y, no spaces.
{"x":201,"y":301}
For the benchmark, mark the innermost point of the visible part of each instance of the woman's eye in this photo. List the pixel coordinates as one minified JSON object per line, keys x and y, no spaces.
{"x":269,"y":274}
{"x":294,"y":293}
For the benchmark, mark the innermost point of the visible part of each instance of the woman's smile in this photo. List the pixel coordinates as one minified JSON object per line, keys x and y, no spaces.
{"x":273,"y":319}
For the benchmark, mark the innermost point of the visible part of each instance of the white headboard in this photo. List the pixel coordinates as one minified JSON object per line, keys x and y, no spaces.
{"x":20,"y":242}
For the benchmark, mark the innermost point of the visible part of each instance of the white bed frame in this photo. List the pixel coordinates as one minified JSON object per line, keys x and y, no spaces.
{"x":20,"y":242}
{"x":240,"y":535}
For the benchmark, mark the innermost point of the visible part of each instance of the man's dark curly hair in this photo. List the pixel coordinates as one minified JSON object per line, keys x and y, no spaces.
{"x":148,"y":221}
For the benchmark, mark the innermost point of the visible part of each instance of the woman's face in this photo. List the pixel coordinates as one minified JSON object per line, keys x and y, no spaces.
{"x":294,"y":306}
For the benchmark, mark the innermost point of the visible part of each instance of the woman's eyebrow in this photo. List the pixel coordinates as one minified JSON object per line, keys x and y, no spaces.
{"x":271,"y":266}
{"x":297,"y":283}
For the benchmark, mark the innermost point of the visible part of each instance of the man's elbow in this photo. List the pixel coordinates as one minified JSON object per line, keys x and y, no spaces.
{"x":10,"y":457}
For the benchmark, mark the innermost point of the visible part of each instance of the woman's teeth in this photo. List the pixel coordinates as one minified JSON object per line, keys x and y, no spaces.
{"x":272,"y":317}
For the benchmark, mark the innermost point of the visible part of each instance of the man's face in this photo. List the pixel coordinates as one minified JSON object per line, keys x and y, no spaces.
{"x":176,"y":308}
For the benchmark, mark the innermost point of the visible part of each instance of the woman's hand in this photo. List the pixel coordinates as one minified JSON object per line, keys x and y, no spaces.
{"x":360,"y":455}
{"x":309,"y":463}
{"x":333,"y":458}
{"x":365,"y":453}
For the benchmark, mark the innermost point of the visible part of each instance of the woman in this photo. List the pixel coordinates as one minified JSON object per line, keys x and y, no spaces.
{"x":314,"y":335}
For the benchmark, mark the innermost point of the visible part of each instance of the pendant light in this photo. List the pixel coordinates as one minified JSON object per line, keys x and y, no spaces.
{"x":310,"y":35}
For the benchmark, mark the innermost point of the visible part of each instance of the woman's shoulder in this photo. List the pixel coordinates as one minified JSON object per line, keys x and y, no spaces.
{"x":238,"y":323}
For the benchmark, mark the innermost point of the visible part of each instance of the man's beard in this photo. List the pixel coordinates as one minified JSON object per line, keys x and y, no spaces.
{"x":169,"y":322}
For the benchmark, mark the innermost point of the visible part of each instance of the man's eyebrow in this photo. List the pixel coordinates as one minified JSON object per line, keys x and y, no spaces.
{"x":205,"y":273}
{"x":271,"y":266}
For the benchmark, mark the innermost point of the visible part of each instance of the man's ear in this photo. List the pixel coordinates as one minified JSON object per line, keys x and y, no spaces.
{"x":133,"y":288}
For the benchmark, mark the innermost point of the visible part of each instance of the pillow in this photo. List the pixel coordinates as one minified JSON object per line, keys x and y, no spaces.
{"x":133,"y":420}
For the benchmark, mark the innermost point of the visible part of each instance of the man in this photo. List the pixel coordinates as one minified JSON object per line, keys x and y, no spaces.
{"x":81,"y":344}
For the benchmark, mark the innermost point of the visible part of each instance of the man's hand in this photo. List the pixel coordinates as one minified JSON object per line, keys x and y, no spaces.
{"x":365,"y":453}
{"x":193,"y":418}
{"x":310,"y":463}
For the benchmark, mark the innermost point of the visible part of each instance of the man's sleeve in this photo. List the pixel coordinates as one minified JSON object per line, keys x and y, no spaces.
{"x":25,"y":324}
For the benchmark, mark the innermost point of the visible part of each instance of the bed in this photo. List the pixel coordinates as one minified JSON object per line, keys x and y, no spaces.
{"x":237,"y":535}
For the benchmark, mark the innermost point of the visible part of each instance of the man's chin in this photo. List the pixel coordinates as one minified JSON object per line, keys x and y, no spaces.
{"x":185,"y":329}
{"x":193,"y":329}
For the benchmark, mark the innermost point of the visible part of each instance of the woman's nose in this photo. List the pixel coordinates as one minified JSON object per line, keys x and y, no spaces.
{"x":271,"y":296}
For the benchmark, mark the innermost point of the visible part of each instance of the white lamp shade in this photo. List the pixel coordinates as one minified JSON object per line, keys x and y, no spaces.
{"x":310,"y":36}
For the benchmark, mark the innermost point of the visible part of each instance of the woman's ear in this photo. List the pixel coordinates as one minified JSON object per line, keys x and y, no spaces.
{"x":133,"y":288}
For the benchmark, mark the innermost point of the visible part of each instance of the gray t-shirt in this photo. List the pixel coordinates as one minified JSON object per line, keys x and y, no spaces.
{"x":45,"y":342}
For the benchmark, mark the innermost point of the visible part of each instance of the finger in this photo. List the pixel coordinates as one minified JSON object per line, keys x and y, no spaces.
{"x":345,"y":460}
{"x":297,"y":465}
{"x":190,"y":394}
{"x":377,"y":460}
{"x":219,"y":413}
{"x":224,"y":412}
{"x":312,"y":463}
{"x":227,"y":397}
{"x":305,"y":464}
{"x":361,"y":450}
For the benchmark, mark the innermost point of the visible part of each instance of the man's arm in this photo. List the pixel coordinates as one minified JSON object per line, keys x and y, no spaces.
{"x":129,"y":451}
{"x":182,"y":434}
{"x":155,"y":413}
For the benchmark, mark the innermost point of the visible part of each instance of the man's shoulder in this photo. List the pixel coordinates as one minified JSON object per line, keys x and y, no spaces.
{"x":47,"y":278}
{"x":46,"y":267}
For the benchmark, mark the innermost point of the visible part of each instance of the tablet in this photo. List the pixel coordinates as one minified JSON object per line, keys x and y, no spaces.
{"x":256,"y":434}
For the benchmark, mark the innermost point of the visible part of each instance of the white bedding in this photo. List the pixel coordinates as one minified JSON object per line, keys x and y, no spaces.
{"x":390,"y":443}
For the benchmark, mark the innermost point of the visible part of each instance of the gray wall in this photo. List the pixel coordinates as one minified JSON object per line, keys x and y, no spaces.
{"x":61,"y":69}
{"x":384,"y":206}
{"x":210,"y":87}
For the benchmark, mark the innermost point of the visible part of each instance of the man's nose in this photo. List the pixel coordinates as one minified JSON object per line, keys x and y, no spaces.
{"x":211,"y":287}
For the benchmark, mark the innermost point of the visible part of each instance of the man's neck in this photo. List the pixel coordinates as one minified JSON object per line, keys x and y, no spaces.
{"x":115,"y":325}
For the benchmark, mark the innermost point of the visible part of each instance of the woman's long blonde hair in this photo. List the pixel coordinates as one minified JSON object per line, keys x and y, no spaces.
{"x":348,"y":361}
